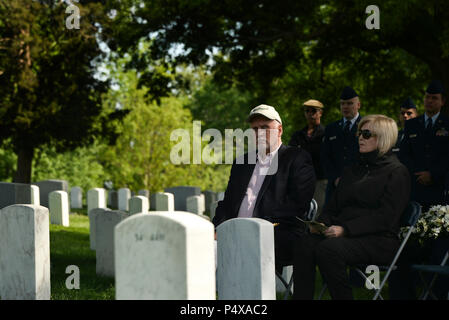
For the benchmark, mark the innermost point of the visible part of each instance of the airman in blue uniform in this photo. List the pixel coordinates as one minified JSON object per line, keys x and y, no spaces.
{"x":408,"y":111}
{"x":340,"y":143}
{"x":424,"y":150}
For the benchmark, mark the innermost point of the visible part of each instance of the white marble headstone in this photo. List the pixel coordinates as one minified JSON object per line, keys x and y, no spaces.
{"x":96,"y":199}
{"x":105,"y":223}
{"x":59,"y":208}
{"x":164,"y":201}
{"x":220,"y":196}
{"x":76,"y":198}
{"x":195,"y":204}
{"x":24,"y":253}
{"x":124,"y":194}
{"x":35,"y":195}
{"x":139,"y":204}
{"x":181,"y":194}
{"x":165,"y":255}
{"x":245,"y":260}
{"x":92,"y":215}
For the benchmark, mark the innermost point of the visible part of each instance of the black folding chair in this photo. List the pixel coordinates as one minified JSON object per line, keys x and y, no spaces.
{"x":436,"y":270}
{"x":288,"y":283}
{"x":408,"y":219}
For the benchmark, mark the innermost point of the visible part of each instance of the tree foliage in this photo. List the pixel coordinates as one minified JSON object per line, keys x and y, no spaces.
{"x":257,"y":43}
{"x":50,"y":95}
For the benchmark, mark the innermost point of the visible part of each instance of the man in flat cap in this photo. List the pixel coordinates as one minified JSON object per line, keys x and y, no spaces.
{"x":277,"y":196}
{"x":310,"y":138}
{"x":425,"y":152}
{"x":340,"y":144}
{"x":408,"y":111}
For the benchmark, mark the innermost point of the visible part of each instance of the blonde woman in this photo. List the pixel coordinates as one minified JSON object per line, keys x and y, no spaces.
{"x":362,"y":216}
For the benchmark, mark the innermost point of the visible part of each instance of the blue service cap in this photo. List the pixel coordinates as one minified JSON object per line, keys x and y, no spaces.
{"x":435,"y":87}
{"x":348,"y":93}
{"x":408,"y":104}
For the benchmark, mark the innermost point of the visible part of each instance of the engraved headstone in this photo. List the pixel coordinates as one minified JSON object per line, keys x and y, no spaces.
{"x":165,"y":255}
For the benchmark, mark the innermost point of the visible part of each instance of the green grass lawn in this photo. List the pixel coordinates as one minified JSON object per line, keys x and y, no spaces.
{"x":71,"y":246}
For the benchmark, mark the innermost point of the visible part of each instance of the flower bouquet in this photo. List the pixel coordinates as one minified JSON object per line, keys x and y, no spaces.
{"x":430,"y":225}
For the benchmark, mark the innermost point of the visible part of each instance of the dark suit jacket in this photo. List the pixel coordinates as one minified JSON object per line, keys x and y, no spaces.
{"x":312,"y":145}
{"x":426,"y":153}
{"x":338,"y":152}
{"x":283,"y":195}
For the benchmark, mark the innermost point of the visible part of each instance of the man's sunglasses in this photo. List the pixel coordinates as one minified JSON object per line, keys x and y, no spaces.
{"x":409,"y":113}
{"x":310,"y":110}
{"x":366,"y":134}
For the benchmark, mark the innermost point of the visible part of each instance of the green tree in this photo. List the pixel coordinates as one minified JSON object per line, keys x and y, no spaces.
{"x":50,"y":94}
{"x":80,"y":167}
{"x":141,"y":156}
{"x":258,"y":42}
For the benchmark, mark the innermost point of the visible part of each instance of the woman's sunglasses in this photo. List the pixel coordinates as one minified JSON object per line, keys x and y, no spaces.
{"x":366,"y":134}
{"x":409,"y":113}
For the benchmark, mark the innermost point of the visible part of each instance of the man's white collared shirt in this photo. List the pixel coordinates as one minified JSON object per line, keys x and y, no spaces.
{"x":255,"y":183}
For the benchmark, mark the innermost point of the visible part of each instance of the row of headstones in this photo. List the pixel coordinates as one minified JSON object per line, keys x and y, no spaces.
{"x":180,"y":199}
{"x":38,"y":194}
{"x":158,"y":255}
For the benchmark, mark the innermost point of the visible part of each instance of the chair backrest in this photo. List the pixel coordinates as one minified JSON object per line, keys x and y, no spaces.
{"x":313,"y":210}
{"x":411,"y":214}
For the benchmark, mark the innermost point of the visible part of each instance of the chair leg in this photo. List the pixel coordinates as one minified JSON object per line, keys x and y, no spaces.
{"x":289,"y":289}
{"x":323,"y":290}
{"x":285,"y":284}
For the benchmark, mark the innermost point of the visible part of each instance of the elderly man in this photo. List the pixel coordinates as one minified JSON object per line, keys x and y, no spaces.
{"x":279,"y":195}
{"x":340,"y":146}
{"x":310,"y":138}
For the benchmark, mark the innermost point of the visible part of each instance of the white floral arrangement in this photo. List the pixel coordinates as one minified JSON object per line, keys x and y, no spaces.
{"x":430,"y":225}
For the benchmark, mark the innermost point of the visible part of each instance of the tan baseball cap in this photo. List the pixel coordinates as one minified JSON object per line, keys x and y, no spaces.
{"x":266,"y":111}
{"x":314,"y":103}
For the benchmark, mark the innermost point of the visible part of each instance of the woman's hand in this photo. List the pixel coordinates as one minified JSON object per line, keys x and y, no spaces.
{"x":334,"y":232}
